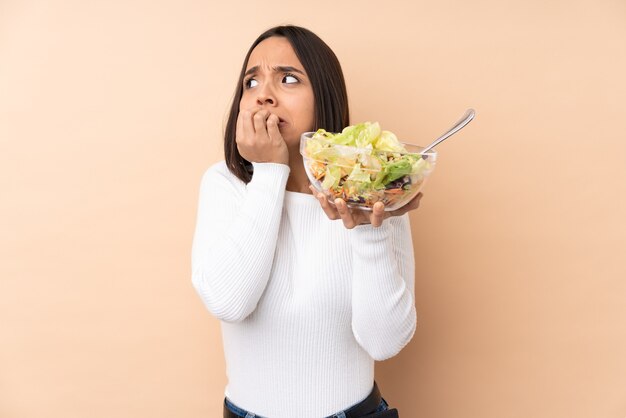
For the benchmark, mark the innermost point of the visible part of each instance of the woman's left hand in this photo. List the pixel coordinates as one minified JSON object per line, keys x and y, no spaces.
{"x":352,"y":218}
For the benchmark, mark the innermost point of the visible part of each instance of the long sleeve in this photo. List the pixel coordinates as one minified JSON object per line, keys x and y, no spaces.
{"x":235,"y":238}
{"x":383,"y":306}
{"x":348,"y":292}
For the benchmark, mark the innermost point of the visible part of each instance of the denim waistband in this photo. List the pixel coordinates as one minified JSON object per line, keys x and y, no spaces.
{"x":231,"y":410}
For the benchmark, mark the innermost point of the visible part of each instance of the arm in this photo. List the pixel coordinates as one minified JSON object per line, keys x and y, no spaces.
{"x":235,"y":238}
{"x":383,"y":306}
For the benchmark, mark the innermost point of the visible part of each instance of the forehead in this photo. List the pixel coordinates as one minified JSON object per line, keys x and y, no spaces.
{"x":272,"y":52}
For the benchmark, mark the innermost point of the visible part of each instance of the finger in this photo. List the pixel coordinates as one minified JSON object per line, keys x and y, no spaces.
{"x":344,"y":212}
{"x":412,"y":205}
{"x":329,"y":210}
{"x":260,"y":117}
{"x":248,"y":123}
{"x":415,"y":202}
{"x":378,"y":214}
{"x":326,"y":206}
{"x":272,"y":128}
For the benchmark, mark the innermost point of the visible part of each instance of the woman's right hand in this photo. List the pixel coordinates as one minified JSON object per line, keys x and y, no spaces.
{"x":258,"y":138}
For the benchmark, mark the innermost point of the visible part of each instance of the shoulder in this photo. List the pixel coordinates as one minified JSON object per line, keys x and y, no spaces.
{"x":219,"y":170}
{"x":218,"y":175}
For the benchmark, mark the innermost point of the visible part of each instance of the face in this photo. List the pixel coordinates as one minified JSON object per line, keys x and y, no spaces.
{"x":275,"y":80}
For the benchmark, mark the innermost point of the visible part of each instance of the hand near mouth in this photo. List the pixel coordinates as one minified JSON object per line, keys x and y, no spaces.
{"x":258,"y":137}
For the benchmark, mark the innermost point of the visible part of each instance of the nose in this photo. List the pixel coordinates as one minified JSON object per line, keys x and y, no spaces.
{"x":265,"y":95}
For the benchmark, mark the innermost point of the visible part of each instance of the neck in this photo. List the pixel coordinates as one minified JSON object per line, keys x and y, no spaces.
{"x":298,"y":180}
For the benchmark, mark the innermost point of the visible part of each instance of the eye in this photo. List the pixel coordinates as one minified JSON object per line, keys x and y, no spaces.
{"x":250,"y":82}
{"x":290,"y":79}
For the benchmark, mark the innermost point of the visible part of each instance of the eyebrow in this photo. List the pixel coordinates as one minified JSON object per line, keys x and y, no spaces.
{"x":276,"y":69}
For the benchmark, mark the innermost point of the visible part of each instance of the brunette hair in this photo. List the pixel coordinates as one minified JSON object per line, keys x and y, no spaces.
{"x":329,"y":90}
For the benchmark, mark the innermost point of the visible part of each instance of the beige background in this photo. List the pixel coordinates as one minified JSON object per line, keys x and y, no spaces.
{"x":110,"y":111}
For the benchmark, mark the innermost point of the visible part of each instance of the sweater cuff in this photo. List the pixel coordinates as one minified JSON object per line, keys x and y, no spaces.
{"x":270,"y":174}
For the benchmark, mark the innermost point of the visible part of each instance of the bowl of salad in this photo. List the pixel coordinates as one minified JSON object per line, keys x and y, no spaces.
{"x":364,"y":164}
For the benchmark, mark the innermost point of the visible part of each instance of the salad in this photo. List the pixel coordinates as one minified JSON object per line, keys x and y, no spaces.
{"x":364,"y":165}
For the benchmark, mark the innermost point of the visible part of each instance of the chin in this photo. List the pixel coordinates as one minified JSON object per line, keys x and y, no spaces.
{"x":293,"y":145}
{"x":289,"y":136}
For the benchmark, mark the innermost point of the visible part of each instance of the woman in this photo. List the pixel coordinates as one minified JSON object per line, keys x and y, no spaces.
{"x":307,"y":304}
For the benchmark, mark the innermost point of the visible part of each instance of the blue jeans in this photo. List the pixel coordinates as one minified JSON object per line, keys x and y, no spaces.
{"x":383,"y":406}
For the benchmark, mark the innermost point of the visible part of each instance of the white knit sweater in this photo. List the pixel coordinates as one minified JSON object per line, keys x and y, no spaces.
{"x":306,"y":305}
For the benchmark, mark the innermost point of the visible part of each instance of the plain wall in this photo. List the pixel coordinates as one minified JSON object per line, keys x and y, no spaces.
{"x":110,"y":111}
